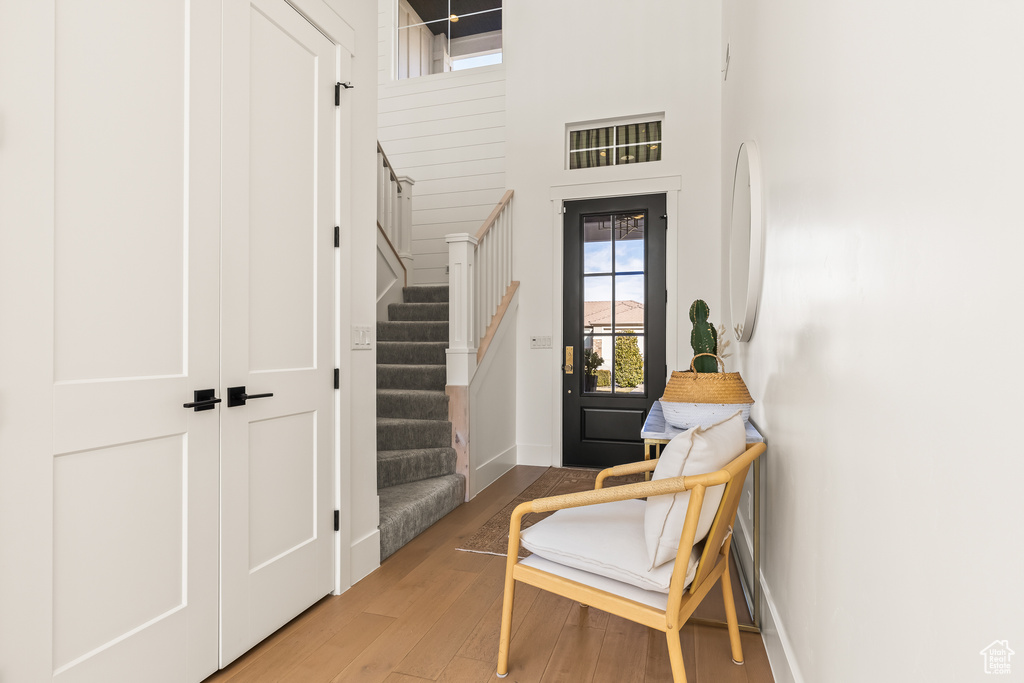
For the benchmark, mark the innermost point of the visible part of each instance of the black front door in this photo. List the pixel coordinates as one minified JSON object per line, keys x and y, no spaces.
{"x":613,"y":326}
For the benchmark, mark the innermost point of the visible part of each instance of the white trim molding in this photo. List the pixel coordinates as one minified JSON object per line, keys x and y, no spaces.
{"x":671,"y":187}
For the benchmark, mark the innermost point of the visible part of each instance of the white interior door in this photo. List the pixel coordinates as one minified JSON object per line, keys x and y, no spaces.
{"x":135,"y":497}
{"x":279,"y":184}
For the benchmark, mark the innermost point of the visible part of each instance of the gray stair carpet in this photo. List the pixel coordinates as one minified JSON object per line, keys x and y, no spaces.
{"x":416,"y":478}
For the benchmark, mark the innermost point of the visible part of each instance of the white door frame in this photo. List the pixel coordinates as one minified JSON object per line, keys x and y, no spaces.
{"x":327,"y":21}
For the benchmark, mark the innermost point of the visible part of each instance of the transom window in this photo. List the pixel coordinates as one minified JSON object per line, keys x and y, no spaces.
{"x":614,"y":142}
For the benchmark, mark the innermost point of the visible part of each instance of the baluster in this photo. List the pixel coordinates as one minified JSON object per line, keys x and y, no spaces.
{"x":497,"y":271}
{"x":511,"y":243}
{"x":484,"y":294}
{"x":490,"y":277}
{"x":393,"y":211}
{"x":504,"y":251}
{"x":380,"y":188}
{"x":481,"y":301}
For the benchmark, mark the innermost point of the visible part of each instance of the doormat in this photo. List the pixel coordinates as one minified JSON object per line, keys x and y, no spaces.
{"x":492,"y":537}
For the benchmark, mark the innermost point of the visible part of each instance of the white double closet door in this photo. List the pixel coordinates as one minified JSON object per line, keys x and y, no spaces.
{"x":196,"y":156}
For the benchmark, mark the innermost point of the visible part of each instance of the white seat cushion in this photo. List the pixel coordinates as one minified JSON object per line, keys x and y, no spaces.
{"x":696,"y":451}
{"x":655,"y":599}
{"x":605,"y":539}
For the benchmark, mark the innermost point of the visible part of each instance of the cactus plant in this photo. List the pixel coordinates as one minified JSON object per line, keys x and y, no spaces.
{"x":703,"y":338}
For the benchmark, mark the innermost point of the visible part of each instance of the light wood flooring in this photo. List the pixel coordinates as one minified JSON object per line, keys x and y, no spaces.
{"x":432,"y":613}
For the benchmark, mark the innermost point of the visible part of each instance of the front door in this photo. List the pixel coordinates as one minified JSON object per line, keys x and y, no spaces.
{"x":613,"y":326}
{"x":277,"y":358}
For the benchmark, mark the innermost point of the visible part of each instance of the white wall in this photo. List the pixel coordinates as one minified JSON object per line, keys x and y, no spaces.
{"x":492,"y":407}
{"x":447,"y":132}
{"x":885,"y":360}
{"x":390,"y":276}
{"x":561,"y":70}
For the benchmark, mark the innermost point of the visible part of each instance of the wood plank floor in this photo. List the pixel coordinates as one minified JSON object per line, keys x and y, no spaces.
{"x":432,"y":613}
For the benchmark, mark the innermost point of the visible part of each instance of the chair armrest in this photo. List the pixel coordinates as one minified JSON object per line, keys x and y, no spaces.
{"x":622,"y":470}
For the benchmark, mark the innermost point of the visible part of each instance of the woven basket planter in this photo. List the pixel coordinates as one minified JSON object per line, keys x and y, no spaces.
{"x":701,"y":399}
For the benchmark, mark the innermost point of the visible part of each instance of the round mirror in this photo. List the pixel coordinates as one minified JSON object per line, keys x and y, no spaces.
{"x":745,"y":242}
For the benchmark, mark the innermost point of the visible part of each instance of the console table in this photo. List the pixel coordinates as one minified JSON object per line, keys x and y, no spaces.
{"x":656,"y":432}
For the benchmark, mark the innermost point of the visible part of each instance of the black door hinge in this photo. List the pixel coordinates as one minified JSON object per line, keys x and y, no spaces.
{"x":337,"y":378}
{"x":337,"y":236}
{"x":337,"y":520}
{"x":337,"y":91}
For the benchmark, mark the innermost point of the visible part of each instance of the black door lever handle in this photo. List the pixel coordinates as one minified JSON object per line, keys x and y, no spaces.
{"x":238,"y":397}
{"x":203,"y":399}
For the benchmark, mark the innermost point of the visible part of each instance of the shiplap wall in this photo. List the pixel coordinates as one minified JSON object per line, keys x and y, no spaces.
{"x":447,"y":133}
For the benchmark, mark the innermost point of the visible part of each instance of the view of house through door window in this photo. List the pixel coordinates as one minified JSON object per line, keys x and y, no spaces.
{"x":613,"y":302}
{"x":435,"y":36}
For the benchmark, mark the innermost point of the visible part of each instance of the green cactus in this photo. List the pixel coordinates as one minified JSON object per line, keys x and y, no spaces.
{"x":703,"y":338}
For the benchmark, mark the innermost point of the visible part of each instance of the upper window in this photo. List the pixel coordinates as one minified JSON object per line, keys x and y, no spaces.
{"x":614,"y":142}
{"x":435,"y":36}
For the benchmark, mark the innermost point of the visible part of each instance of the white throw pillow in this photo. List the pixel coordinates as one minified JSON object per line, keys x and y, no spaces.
{"x":605,"y":539}
{"x":695,"y":451}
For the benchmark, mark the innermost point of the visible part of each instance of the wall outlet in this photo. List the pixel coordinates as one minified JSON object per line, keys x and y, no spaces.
{"x":540,"y":342}
{"x":362,"y":337}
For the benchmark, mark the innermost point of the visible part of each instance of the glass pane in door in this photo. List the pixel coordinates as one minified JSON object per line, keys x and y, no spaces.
{"x":629,"y":242}
{"x":597,"y":244}
{"x":628,"y":364}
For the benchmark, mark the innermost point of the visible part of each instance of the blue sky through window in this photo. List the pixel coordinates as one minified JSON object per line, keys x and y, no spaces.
{"x":629,"y":257}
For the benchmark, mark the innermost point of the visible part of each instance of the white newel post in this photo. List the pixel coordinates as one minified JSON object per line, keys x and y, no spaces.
{"x":404,"y":244}
{"x":461,"y":353}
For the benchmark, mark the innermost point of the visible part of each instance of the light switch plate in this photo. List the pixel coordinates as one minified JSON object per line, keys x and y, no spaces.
{"x":538,"y":342}
{"x":362,"y":337}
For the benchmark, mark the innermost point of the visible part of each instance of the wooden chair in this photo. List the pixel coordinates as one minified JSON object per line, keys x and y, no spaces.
{"x":681,"y":600}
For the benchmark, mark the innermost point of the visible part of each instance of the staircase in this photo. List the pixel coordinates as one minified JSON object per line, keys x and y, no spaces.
{"x":416,"y":478}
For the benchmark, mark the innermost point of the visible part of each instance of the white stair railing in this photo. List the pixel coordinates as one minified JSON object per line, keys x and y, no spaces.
{"x":479,"y":282}
{"x":394,"y":210}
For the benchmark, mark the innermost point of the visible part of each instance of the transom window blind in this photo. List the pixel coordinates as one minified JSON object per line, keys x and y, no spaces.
{"x":630,"y":143}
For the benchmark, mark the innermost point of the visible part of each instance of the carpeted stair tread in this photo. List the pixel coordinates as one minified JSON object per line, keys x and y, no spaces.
{"x":409,"y":509}
{"x":414,"y":331}
{"x":416,"y":479}
{"x":401,"y":467}
{"x":419,"y":404}
{"x":434,"y":312}
{"x":429,"y":377}
{"x":425,"y":294}
{"x":394,"y":434}
{"x":411,"y":353}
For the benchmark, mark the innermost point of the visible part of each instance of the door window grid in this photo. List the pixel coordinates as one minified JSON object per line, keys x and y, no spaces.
{"x":612,"y":145}
{"x":615,"y":337}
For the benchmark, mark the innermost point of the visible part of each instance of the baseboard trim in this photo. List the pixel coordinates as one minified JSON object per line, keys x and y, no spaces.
{"x":776,"y":640}
{"x":491,"y":470}
{"x":365,"y":555}
{"x":537,"y":455}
